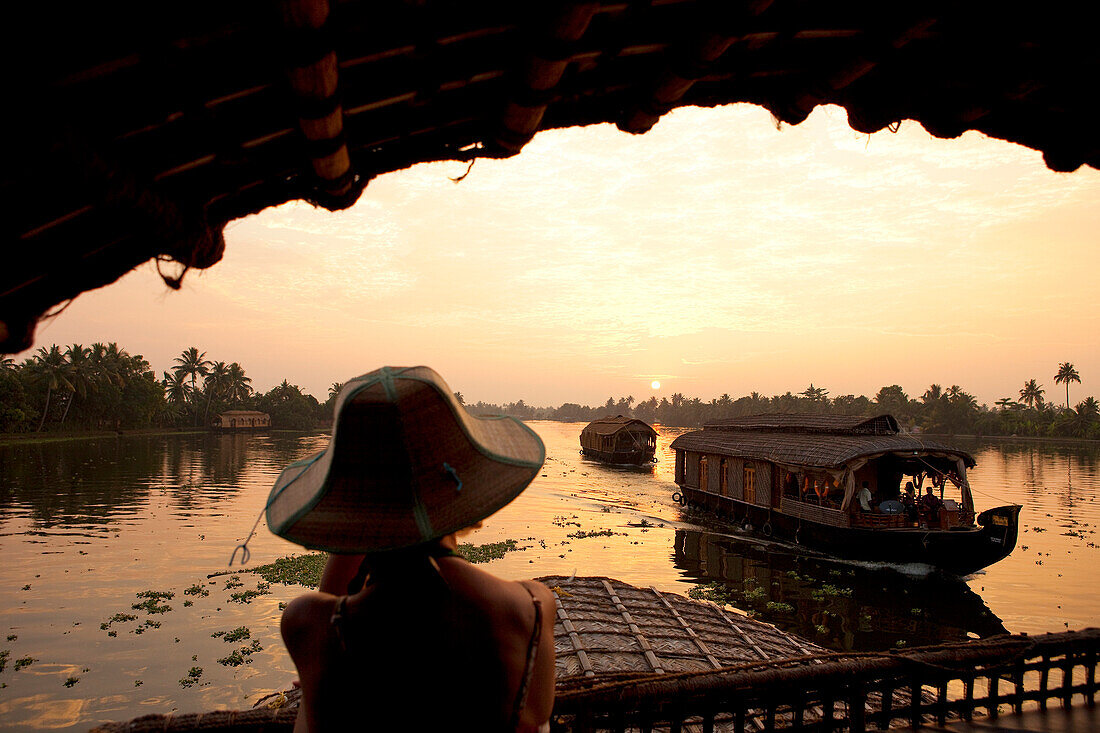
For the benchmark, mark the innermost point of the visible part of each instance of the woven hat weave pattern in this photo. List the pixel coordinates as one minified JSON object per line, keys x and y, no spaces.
{"x":407,"y":464}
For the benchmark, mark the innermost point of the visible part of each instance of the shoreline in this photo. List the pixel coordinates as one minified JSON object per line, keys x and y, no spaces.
{"x":28,"y":438}
{"x":1016,"y":439}
{"x":48,"y":437}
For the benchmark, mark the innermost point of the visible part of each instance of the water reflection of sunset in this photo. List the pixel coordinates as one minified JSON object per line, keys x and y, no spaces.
{"x":163,"y":512}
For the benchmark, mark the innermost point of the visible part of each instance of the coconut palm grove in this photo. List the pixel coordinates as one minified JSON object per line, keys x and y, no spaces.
{"x":101,"y":387}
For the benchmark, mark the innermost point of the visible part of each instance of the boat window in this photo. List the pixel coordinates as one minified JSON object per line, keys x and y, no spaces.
{"x":703,"y":473}
{"x":750,"y":483}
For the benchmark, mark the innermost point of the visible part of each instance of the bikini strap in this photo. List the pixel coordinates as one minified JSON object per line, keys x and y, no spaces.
{"x":532,"y":653}
{"x":337,"y":621}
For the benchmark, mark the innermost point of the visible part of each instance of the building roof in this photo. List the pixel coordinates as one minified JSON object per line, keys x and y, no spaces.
{"x":126,"y":146}
{"x":810,"y":446}
{"x":610,"y":425}
{"x":243,"y":413}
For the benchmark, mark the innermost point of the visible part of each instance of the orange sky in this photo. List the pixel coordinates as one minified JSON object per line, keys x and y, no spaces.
{"x":716,"y":253}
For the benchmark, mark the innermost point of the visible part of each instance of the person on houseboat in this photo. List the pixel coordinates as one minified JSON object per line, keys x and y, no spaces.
{"x":864,"y":497}
{"x":930,"y":507}
{"x":404,"y":633}
{"x":909,"y":501}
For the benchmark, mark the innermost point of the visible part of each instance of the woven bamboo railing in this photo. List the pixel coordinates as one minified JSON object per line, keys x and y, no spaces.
{"x":853,"y":692}
{"x":825,"y":692}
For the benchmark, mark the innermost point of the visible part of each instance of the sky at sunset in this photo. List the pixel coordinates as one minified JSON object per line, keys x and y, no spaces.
{"x":716,"y":254}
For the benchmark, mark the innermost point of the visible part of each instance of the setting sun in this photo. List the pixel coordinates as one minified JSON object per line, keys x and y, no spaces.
{"x":655,"y":384}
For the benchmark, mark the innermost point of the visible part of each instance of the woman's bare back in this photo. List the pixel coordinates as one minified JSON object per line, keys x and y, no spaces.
{"x":445,"y":651}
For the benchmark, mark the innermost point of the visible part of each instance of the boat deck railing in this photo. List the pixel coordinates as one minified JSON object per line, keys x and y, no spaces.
{"x":853,"y":692}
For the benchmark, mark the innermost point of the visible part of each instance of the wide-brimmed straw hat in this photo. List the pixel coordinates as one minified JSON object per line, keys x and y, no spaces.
{"x":407,"y":464}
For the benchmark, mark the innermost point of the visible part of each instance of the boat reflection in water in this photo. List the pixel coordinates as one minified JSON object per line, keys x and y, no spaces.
{"x":841,"y":605}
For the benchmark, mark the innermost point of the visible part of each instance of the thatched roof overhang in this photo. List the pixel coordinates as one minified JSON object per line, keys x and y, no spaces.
{"x":135,"y":133}
{"x":612,"y":425}
{"x":811,"y":451}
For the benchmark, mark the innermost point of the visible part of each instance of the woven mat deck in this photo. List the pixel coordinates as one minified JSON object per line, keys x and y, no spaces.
{"x":606,"y":628}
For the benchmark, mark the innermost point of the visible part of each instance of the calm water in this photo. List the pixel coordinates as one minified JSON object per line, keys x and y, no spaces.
{"x":87,"y":525}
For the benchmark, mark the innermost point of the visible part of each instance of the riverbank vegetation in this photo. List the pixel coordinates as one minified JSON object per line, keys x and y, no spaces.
{"x":950,"y":411}
{"x":102,"y":387}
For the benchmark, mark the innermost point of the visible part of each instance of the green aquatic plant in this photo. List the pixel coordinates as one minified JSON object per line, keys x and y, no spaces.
{"x":581,"y":534}
{"x":715,"y":592}
{"x":242,"y":655}
{"x":192,"y":677}
{"x":196,"y":590}
{"x":755,"y":594}
{"x":24,"y":662}
{"x":4,"y":653}
{"x":246,"y":596}
{"x":238,"y":634}
{"x":490,"y":551}
{"x":71,"y":681}
{"x":13,"y":637}
{"x":117,"y":618}
{"x":151,"y":605}
{"x":302,"y":570}
{"x":233,"y":582}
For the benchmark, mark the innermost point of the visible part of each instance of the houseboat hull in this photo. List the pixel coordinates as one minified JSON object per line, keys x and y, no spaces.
{"x":620,"y":458}
{"x":619,"y":440}
{"x":959,"y":550}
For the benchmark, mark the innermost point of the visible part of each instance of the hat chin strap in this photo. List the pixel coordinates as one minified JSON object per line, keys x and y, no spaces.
{"x":420,"y":514}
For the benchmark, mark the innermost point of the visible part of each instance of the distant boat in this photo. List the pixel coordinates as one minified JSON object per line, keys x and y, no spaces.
{"x":801,"y":477}
{"x":619,"y":440}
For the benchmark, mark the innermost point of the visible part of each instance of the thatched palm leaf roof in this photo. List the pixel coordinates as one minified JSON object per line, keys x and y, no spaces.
{"x":808,"y":450}
{"x":810,"y":441}
{"x":138,"y":130}
{"x":611,"y":425}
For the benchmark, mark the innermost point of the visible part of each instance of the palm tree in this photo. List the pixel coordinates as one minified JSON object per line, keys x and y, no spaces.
{"x":51,"y":369}
{"x":237,"y":386}
{"x":932,"y":394}
{"x":1003,"y":403}
{"x":216,"y":377}
{"x":1066,"y":374}
{"x":176,"y":389}
{"x":334,"y":391}
{"x":193,"y":364}
{"x":82,"y":374}
{"x":1032,"y":394}
{"x":815,"y":394}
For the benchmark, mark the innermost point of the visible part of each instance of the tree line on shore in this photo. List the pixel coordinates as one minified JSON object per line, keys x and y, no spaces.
{"x":102,"y":387}
{"x":951,"y":410}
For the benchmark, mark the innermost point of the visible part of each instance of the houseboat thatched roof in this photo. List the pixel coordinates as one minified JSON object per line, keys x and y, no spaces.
{"x":128,"y":145}
{"x":799,"y":423}
{"x":610,"y":425}
{"x":811,"y":441}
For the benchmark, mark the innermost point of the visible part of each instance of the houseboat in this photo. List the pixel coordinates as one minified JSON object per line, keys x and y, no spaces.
{"x":851,"y":486}
{"x":619,"y":440}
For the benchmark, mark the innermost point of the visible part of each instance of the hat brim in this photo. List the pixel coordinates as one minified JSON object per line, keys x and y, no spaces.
{"x":407,"y":464}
